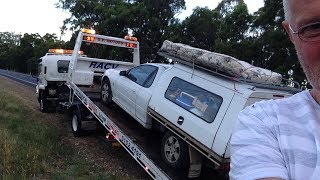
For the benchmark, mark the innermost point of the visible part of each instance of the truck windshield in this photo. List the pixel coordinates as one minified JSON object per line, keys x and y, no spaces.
{"x":63,"y":66}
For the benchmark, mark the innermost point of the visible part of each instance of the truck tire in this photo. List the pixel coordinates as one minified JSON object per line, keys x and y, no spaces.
{"x":43,"y":103}
{"x":106,"y":93}
{"x":174,"y":151}
{"x":76,"y":123}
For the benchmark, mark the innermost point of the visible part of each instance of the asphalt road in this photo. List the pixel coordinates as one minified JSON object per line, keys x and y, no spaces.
{"x":20,"y":77}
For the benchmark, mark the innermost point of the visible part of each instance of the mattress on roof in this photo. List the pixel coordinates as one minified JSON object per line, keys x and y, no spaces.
{"x":221,"y":62}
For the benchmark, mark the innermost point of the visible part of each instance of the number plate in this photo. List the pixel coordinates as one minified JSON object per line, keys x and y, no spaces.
{"x":132,"y":148}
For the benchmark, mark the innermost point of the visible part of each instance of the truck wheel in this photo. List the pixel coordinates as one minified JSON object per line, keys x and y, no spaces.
{"x":106,"y":93}
{"x":76,"y":123}
{"x":43,"y":102}
{"x":174,"y":151}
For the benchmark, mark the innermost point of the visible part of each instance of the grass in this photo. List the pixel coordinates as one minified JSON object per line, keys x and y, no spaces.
{"x":30,"y":148}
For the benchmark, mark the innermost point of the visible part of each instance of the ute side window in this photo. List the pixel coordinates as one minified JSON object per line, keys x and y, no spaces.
{"x":194,"y":99}
{"x":143,"y":75}
{"x":63,"y":66}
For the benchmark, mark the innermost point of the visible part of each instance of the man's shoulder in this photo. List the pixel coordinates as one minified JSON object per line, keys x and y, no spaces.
{"x":291,"y":102}
{"x":263,"y":129}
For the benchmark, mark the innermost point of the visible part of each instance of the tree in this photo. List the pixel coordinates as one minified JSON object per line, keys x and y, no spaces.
{"x":9,"y":42}
{"x":228,"y":29}
{"x":20,"y":53}
{"x":200,"y":29}
{"x":226,"y":7}
{"x":233,"y":37}
{"x":277,"y":52}
{"x":148,"y":19}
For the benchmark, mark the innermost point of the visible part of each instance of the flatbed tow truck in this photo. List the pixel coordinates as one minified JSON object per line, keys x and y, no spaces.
{"x":84,"y":77}
{"x":87,"y":108}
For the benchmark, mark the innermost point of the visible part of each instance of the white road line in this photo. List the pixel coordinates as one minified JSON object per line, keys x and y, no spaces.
{"x":19,"y":79}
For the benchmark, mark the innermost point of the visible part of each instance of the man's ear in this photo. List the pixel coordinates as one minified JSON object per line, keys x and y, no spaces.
{"x":285,"y":25}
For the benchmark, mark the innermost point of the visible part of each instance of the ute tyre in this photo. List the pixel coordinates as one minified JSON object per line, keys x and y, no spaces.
{"x":43,"y":103}
{"x":174,"y":151}
{"x":106,"y":93}
{"x":76,"y":123}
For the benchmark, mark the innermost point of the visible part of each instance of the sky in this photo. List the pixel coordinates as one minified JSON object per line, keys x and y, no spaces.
{"x":42,"y":16}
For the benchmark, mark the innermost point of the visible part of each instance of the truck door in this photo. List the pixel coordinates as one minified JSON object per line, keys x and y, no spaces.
{"x":197,"y":111}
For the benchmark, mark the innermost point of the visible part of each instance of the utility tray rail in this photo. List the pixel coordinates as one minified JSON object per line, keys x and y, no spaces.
{"x":148,"y":165}
{"x":237,"y":79}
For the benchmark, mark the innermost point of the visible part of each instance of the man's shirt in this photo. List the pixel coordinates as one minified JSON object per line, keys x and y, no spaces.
{"x":278,"y":138}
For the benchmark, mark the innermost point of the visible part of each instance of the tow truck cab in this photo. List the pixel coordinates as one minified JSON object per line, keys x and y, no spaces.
{"x":52,"y":75}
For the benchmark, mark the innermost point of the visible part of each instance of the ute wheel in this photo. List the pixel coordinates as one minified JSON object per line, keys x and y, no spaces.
{"x":106,"y":93}
{"x":76,"y":123}
{"x":174,"y":151}
{"x":43,"y":103}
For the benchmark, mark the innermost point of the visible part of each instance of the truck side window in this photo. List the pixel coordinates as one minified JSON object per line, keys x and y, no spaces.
{"x":143,"y":75}
{"x":194,"y":99}
{"x":63,"y":66}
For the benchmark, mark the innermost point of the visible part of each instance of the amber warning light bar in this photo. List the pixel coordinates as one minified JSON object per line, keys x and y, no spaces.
{"x":88,"y":31}
{"x":63,"y":51}
{"x":131,"y":38}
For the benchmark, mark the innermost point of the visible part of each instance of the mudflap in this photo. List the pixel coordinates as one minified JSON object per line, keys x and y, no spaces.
{"x":88,"y":121}
{"x":89,"y":125}
{"x":195,"y":163}
{"x":64,"y":107}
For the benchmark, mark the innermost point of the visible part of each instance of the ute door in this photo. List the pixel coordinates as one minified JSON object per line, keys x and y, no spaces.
{"x":197,"y":107}
{"x":144,"y":95}
{"x":131,"y":84}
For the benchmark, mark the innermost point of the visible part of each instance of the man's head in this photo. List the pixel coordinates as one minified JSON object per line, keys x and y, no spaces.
{"x":301,"y":18}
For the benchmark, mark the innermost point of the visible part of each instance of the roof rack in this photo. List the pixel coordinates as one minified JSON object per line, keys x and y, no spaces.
{"x":216,"y":72}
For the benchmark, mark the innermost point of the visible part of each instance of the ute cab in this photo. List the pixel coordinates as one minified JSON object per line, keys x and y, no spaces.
{"x":52,"y":75}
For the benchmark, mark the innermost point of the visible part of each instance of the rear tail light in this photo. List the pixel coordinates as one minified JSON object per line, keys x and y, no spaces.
{"x":110,"y":137}
{"x":226,"y":167}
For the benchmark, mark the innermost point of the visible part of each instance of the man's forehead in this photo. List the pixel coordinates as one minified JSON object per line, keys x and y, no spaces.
{"x":304,"y":11}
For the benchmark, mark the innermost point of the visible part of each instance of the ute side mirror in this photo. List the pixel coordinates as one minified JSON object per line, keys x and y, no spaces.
{"x":123,"y":73}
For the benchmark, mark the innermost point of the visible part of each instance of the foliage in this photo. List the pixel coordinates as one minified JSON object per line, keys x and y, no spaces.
{"x":229,"y":29}
{"x":8,"y":49}
{"x":33,"y":149}
{"x":20,"y":53}
{"x":200,"y":29}
{"x":234,"y":37}
{"x":147,"y":18}
{"x":277,"y":52}
{"x":24,"y":147}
